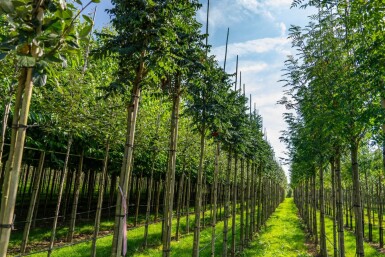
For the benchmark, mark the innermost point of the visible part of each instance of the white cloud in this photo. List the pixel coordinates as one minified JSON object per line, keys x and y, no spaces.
{"x":282,"y":27}
{"x":226,"y":13}
{"x":274,"y":124}
{"x":257,"y":46}
{"x":278,"y":3}
{"x":254,"y":67}
{"x":251,"y":5}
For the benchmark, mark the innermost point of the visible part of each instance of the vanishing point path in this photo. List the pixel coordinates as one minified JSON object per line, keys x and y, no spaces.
{"x":283,"y":235}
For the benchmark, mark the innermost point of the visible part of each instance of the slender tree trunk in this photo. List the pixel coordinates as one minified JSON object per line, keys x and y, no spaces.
{"x":125,"y":174}
{"x":179,"y":207}
{"x":368,"y":208}
{"x":340,"y":214}
{"x":188,"y":203}
{"x":252,"y":192}
{"x":334,"y":207}
{"x":380,"y":202}
{"x":78,"y":179}
{"x":259,"y":208}
{"x":234,"y":209}
{"x":170,"y":178}
{"x":315,"y":210}
{"x":227,"y":207}
{"x":322,"y":215}
{"x":248,"y":216}
{"x":138,"y":194}
{"x":306,"y":206}
{"x":215,"y":198}
{"x":67,"y":192}
{"x":32,"y":205}
{"x":148,"y":207}
{"x":12,"y":171}
{"x":7,"y":108}
{"x":61,"y":188}
{"x":100,"y":200}
{"x":380,"y":212}
{"x":158,"y":200}
{"x":49,"y":185}
{"x":24,"y":184}
{"x":357,"y":201}
{"x":198,"y":196}
{"x":242,"y":205}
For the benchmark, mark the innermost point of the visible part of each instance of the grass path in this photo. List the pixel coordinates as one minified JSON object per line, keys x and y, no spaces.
{"x":283,"y":235}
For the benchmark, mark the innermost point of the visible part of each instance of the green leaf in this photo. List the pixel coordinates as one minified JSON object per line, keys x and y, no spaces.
{"x":87,"y":19}
{"x":95,"y":1}
{"x":18,"y":3}
{"x":54,"y":58}
{"x":55,"y":25}
{"x":73,"y":44}
{"x":85,"y":31}
{"x":2,"y":56}
{"x":78,"y":2}
{"x":25,"y":61}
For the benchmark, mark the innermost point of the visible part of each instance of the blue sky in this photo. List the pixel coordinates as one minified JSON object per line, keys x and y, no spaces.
{"x":258,"y":34}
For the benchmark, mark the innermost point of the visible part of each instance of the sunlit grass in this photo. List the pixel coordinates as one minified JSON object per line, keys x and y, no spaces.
{"x":350,"y":242}
{"x":282,"y":236}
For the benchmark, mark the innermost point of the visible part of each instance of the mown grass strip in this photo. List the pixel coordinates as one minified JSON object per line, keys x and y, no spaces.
{"x":283,"y":235}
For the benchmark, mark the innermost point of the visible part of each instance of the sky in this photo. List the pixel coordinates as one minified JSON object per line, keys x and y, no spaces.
{"x":258,"y":35}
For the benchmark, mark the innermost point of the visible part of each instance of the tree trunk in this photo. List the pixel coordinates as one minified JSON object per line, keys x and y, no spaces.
{"x":24,"y":184}
{"x":259,"y":208}
{"x":334,"y":213}
{"x":179,"y":207}
{"x":61,"y":187}
{"x":148,"y":207}
{"x":159,"y":189}
{"x":368,"y":207}
{"x":125,"y":174}
{"x":234,"y":209}
{"x":35,"y":192}
{"x":357,"y":201}
{"x":100,"y":200}
{"x":7,"y":108}
{"x":380,"y":202}
{"x":188,"y":203}
{"x":322,"y":215}
{"x":138,"y":195}
{"x":215,"y":198}
{"x":12,"y":172}
{"x":380,"y":212}
{"x":78,"y":179}
{"x":170,"y":177}
{"x":315,"y":210}
{"x":198,"y":196}
{"x":91,"y":190}
{"x":227,"y":206}
{"x":248,"y":205}
{"x":242,"y":203}
{"x":340,"y":214}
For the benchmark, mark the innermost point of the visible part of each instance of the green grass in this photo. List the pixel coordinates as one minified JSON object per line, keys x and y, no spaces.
{"x":282,"y":236}
{"x":134,"y":242}
{"x":350,"y":242}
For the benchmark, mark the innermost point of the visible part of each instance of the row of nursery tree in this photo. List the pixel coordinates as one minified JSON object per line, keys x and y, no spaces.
{"x":136,"y":122}
{"x":335,"y":94}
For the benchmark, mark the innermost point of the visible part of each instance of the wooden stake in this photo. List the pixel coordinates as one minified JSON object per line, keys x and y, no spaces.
{"x":227,"y":42}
